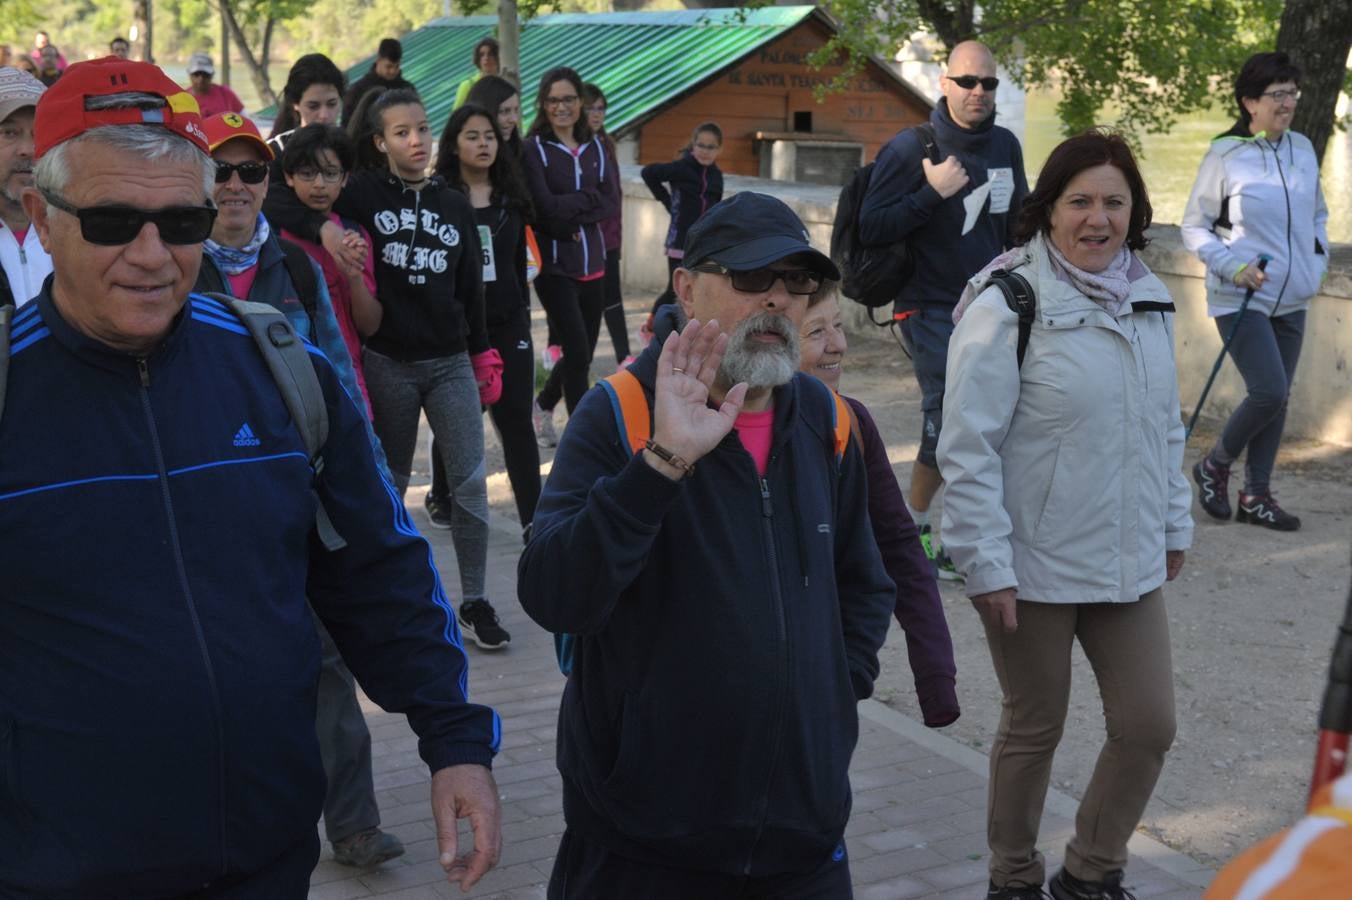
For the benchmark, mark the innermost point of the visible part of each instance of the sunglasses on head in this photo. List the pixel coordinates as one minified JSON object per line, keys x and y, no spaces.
{"x":249,"y":172}
{"x":759,"y":281}
{"x":969,"y":82}
{"x":113,"y":226}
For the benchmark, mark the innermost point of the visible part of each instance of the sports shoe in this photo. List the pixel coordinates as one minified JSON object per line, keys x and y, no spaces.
{"x":943,"y":565}
{"x":550,"y":356}
{"x":367,"y":848}
{"x":1065,"y":886}
{"x":1016,"y":890}
{"x":543,"y":419}
{"x":1262,"y":509}
{"x":438,"y":511}
{"x":1212,"y":488}
{"x":626,"y":363}
{"x":479,"y":621}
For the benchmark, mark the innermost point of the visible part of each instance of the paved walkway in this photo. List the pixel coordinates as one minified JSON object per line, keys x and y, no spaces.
{"x":918,"y":828}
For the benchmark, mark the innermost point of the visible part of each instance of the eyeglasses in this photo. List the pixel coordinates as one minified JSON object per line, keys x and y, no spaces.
{"x":759,"y":281}
{"x":1282,"y":96}
{"x":969,"y":82}
{"x":596,"y":108}
{"x":249,"y":172}
{"x":570,"y":100}
{"x":113,"y":226}
{"x":330,"y":175}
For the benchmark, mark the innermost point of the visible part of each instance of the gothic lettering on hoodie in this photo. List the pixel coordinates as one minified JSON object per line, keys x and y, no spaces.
{"x":408,"y":256}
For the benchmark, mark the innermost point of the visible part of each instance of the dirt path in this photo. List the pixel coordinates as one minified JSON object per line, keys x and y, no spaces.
{"x":1253,"y":617}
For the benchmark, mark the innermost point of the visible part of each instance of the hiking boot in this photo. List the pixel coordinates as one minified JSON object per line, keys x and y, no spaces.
{"x":543,"y":419}
{"x":1065,"y":886}
{"x":943,"y":566}
{"x":438,"y":510}
{"x":479,"y":621}
{"x":1016,"y":890}
{"x":1212,"y":488}
{"x":367,"y":848}
{"x":1262,"y":509}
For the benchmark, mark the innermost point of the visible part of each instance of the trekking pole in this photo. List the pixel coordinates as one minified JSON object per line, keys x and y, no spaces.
{"x":1335,"y":715}
{"x":1263,"y":260}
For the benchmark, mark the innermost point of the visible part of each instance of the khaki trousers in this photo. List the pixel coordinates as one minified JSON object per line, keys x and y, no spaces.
{"x":1128,"y":646}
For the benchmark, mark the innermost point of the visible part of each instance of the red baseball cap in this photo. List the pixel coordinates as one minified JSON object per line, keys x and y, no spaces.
{"x":65,"y":109}
{"x":225,"y":127}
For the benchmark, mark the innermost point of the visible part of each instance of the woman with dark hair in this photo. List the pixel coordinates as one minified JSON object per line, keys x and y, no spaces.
{"x":568,"y":174}
{"x":485,"y":63}
{"x":473,"y":160}
{"x":313,"y":96}
{"x":502,"y":98}
{"x":1257,"y":195}
{"x":594,"y":101}
{"x":429,"y":352}
{"x":1067,"y":507}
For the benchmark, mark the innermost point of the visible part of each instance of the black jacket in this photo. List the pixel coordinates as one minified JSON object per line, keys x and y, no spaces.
{"x":694,"y":188}
{"x":727,"y":625}
{"x":358,"y":89}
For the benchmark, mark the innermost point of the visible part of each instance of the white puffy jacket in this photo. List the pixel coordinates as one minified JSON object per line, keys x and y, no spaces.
{"x":1064,"y":478}
{"x":1271,"y":196}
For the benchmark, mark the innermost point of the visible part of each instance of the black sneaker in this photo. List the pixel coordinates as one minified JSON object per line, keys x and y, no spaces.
{"x":1262,"y":509}
{"x":1212,"y":488}
{"x":438,"y":510}
{"x":1016,"y":890}
{"x":1065,"y":886}
{"x":479,"y":621}
{"x":367,"y":848}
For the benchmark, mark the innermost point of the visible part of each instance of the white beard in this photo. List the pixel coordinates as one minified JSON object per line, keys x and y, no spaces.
{"x":761,"y":365}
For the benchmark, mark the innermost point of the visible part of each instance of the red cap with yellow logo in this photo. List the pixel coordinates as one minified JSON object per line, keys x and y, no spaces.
{"x":113,"y":91}
{"x":224,"y":127}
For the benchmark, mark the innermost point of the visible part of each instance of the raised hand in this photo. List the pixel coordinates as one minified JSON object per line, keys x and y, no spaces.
{"x":683,"y":421}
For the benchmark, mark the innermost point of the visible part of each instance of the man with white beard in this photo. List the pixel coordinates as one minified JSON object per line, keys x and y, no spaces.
{"x":725,"y":595}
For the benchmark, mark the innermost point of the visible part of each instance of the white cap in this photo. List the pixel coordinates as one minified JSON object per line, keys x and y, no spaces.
{"x":18,"y":90}
{"x":200,"y":62}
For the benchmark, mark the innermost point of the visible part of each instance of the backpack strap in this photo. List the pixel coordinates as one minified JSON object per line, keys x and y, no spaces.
{"x":303,"y":277}
{"x":929,"y":142}
{"x":289,"y":362}
{"x":1021,"y":299}
{"x":629,"y":402}
{"x":6,"y":317}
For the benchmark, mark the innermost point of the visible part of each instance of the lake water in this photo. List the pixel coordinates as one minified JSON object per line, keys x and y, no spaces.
{"x":1169,"y":161}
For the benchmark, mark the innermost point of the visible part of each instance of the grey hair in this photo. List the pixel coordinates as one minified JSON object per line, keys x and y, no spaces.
{"x":153,"y":142}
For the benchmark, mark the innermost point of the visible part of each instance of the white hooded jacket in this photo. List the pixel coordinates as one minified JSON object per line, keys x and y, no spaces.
{"x":1064,"y":477}
{"x":26,"y":265}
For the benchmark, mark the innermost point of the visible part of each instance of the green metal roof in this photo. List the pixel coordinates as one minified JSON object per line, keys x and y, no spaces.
{"x":641,"y":60}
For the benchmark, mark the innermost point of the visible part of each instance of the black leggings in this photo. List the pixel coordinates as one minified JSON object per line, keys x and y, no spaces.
{"x":511,"y":417}
{"x":614,"y":311}
{"x":669,"y":295}
{"x":574,"y":309}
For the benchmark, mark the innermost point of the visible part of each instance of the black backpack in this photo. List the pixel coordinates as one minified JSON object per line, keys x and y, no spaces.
{"x":873,"y":276}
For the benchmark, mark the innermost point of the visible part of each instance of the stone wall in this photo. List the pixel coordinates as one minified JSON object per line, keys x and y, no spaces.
{"x":1321,"y":403}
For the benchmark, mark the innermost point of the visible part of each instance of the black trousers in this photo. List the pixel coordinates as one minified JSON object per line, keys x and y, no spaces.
{"x":586,"y":871}
{"x":614,"y":310}
{"x":574,"y":309}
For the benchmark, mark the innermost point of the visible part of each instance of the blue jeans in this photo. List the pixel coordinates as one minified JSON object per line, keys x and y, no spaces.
{"x":1265,"y":351}
{"x":928,"y":331}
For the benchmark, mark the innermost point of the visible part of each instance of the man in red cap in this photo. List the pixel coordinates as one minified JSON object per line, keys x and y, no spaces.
{"x":157,"y":689}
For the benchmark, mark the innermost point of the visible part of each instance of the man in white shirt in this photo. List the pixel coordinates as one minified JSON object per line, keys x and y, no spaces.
{"x":24,"y":265}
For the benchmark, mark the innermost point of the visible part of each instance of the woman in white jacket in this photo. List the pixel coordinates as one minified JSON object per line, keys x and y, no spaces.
{"x":1067,"y":507}
{"x":1257,"y":193}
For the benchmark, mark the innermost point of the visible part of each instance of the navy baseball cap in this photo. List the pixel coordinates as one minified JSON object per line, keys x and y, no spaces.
{"x":750,"y":231}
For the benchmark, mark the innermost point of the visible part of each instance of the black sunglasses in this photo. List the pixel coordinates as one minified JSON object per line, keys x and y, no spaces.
{"x":113,"y":226}
{"x":758,"y":281}
{"x":968,"y":82}
{"x":249,"y":172}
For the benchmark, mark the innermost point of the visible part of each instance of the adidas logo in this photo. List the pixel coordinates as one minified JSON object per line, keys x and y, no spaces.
{"x":245,"y":437}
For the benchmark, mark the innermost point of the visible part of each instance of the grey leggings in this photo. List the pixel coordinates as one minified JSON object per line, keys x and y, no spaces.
{"x":446,"y":390}
{"x":1265,"y":351}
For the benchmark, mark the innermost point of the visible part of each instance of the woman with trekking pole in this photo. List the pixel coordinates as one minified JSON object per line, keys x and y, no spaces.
{"x":1257,"y":194}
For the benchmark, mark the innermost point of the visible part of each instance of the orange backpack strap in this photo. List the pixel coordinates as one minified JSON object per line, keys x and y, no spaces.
{"x":633,"y":419}
{"x":846,"y":424}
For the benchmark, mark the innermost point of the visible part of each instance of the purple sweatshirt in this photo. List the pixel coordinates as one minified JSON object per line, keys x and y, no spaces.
{"x":919,"y":610}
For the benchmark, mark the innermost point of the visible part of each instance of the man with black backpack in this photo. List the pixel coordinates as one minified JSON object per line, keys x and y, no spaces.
{"x":951,"y":191}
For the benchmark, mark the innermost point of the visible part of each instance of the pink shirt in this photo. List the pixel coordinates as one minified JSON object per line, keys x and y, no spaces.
{"x":241,"y":284}
{"x":757,"y":430}
{"x":218,"y":99}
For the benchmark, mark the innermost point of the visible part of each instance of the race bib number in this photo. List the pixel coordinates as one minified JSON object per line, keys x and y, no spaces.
{"x":1002,"y":189}
{"x":490,"y":265}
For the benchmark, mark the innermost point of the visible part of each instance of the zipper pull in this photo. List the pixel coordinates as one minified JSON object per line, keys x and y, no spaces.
{"x":766,"y":509}
{"x":23,"y":257}
{"x":143,"y":370}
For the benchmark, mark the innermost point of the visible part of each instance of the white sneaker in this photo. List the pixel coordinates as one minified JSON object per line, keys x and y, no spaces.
{"x":543,"y":419}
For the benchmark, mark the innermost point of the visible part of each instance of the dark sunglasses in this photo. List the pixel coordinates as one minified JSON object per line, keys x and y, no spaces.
{"x":113,"y":226}
{"x":759,"y":281}
{"x":249,"y":172}
{"x":969,"y":82}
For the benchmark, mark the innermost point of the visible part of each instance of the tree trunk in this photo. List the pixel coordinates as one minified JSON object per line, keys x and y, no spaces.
{"x":265,"y":53}
{"x":1317,"y":34}
{"x":257,"y":73}
{"x":509,"y":41}
{"x":953,"y":22}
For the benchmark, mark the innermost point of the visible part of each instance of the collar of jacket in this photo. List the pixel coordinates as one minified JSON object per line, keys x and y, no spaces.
{"x":953,"y":136}
{"x":1058,"y":300}
{"x":96,"y":352}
